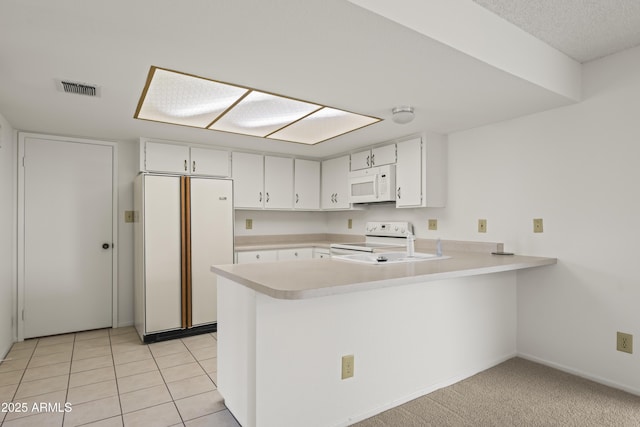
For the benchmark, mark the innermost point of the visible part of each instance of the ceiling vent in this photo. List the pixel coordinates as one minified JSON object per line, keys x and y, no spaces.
{"x":78,"y":88}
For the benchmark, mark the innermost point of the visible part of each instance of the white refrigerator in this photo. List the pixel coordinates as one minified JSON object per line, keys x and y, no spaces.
{"x":183,"y":225}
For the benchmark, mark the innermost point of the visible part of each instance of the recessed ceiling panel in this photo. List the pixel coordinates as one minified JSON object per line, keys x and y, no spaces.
{"x":322,"y":125}
{"x":260,"y":114}
{"x":183,"y":99}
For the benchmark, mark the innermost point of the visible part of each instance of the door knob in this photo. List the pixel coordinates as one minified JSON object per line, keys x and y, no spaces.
{"x":105,"y":246}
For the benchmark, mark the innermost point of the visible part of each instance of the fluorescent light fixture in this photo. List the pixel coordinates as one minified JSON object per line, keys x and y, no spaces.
{"x":260,"y":114}
{"x":183,"y":99}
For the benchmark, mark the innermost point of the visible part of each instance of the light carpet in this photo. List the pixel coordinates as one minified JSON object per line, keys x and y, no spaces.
{"x":517,"y":392}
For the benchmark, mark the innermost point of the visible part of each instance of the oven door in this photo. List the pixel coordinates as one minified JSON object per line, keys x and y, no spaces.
{"x":341,"y":251}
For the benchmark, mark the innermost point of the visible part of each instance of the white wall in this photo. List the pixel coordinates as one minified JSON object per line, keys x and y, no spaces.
{"x":7,"y":235}
{"x":280,"y":222}
{"x":127,"y":170}
{"x":577,"y":168}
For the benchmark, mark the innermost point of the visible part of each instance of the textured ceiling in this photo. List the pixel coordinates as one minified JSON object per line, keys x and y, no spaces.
{"x":582,"y":29}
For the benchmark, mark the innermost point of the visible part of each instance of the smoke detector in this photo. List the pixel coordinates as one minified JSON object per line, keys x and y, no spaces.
{"x":78,"y":88}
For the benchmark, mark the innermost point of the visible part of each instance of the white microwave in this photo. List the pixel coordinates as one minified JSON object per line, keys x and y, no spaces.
{"x":372,"y":185}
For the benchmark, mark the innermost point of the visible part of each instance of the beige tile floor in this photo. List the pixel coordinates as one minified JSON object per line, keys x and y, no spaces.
{"x":109,"y":378}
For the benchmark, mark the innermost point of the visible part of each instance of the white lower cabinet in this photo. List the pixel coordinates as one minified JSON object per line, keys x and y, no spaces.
{"x":321,"y":253}
{"x":266,"y":255}
{"x":297,"y":253}
{"x":256,"y":256}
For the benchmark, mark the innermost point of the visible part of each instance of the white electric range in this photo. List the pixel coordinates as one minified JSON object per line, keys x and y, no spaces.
{"x":379,"y":237}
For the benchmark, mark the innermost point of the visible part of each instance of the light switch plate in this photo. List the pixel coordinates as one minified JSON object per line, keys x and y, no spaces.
{"x":482,"y":226}
{"x":433,"y":224}
{"x":129,"y":216}
{"x":248,"y":224}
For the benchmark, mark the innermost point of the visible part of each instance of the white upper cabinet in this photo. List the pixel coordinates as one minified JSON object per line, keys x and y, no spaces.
{"x":161,"y":157}
{"x":409,"y":174}
{"x":205,"y":161}
{"x":183,"y":159}
{"x":278,"y":182}
{"x":421,"y":173}
{"x":306,"y":184}
{"x":248,"y":180}
{"x":335,"y":183}
{"x":378,"y":156}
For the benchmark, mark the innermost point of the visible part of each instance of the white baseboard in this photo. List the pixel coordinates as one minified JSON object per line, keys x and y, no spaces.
{"x":125,"y":324}
{"x":582,"y":374}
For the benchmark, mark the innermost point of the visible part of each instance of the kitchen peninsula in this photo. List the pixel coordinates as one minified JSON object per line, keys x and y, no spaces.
{"x":284,"y":327}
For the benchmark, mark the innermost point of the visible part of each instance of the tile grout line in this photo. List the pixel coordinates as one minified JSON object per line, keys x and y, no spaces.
{"x":66,"y":397}
{"x":113,"y":360}
{"x":164,"y":380}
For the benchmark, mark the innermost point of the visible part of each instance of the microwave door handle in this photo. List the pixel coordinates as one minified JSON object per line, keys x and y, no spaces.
{"x":375,"y":186}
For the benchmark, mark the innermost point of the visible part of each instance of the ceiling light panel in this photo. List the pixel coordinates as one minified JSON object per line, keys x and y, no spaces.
{"x":259,"y":114}
{"x":324,"y":124}
{"x":182,"y":99}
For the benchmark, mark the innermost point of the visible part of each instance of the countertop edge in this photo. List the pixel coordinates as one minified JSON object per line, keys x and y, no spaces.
{"x":522,"y":262}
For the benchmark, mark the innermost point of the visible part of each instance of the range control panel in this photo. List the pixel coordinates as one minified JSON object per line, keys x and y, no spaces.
{"x":388,"y":229}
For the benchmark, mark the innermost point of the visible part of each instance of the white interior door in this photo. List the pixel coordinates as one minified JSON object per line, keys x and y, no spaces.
{"x":67,"y":236}
{"x":211,"y":243}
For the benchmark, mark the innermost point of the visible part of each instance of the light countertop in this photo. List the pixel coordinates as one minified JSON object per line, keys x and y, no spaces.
{"x":302,"y":279}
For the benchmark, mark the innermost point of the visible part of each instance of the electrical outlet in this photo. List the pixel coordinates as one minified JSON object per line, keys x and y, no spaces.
{"x":537,"y":225}
{"x":624,"y":342}
{"x":347,"y":366}
{"x":482,"y":226}
{"x":433,"y":224}
{"x":349,"y":223}
{"x":248,"y":224}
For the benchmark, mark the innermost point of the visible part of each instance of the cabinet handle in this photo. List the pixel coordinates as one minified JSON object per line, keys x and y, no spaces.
{"x":267,"y":199}
{"x":295,"y":253}
{"x":368,"y":161}
{"x":260,"y":197}
{"x":297,"y":198}
{"x":185,"y":166}
{"x":194,"y":166}
{"x":336,"y":197}
{"x":257,"y":256}
{"x":373,"y":159}
{"x":398,"y":193}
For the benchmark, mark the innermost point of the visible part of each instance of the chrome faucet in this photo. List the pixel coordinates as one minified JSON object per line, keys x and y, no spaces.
{"x":410,"y":244}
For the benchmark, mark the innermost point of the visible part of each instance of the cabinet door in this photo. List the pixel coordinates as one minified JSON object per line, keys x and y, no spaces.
{"x":307,"y":184}
{"x":409,"y":174}
{"x":211,"y":243}
{"x":335,"y":183}
{"x":248,"y":176}
{"x":385,"y":155}
{"x":205,"y":161}
{"x":321,"y":253}
{"x":162,"y":253}
{"x":297,"y":253}
{"x":246,"y":257}
{"x":278,"y":182}
{"x":161,"y":157}
{"x":361,"y":160}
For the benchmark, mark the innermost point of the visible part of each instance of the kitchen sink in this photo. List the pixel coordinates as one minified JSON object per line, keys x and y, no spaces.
{"x":388,"y":257}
